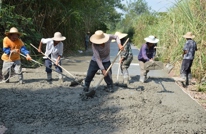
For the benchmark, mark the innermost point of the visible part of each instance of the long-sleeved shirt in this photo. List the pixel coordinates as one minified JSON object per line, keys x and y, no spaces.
{"x":55,"y":51}
{"x":127,"y":51}
{"x":190,"y":46}
{"x":9,"y":45}
{"x":102,"y":54}
{"x":146,"y":53}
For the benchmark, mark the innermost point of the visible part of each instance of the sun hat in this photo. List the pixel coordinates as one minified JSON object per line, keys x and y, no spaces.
{"x":151,"y":39}
{"x":13,"y":30}
{"x":58,"y":37}
{"x":120,"y":35}
{"x":189,"y":35}
{"x":99,"y":37}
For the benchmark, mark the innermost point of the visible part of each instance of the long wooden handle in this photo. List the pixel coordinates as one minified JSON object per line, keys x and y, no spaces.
{"x":54,"y":62}
{"x":111,"y":64}
{"x":118,"y":70}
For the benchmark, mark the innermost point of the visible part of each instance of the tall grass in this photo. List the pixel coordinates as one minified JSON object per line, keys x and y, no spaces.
{"x":185,"y":16}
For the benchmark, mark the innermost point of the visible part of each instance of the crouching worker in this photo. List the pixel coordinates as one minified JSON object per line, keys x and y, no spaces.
{"x":12,"y":46}
{"x":147,"y":53}
{"x":101,"y":58}
{"x":54,"y":50}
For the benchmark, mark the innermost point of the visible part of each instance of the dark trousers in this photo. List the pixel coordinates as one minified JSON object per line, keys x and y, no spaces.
{"x":48,"y":64}
{"x":86,"y":45}
{"x":93,"y":68}
{"x":186,"y":69}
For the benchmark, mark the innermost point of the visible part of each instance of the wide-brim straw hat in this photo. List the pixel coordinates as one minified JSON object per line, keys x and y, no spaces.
{"x":151,"y":39}
{"x":99,"y":37}
{"x":13,"y":30}
{"x":58,"y":37}
{"x":121,"y":35}
{"x":189,"y":35}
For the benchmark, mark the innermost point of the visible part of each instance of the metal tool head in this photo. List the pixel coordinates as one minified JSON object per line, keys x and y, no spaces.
{"x":91,"y":93}
{"x":76,"y":82}
{"x":169,"y":67}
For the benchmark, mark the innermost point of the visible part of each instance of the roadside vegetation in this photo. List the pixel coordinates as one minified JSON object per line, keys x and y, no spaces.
{"x":169,"y":27}
{"x":73,"y":18}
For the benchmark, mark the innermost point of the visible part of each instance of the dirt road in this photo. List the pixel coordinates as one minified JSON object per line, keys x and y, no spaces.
{"x":38,"y":107}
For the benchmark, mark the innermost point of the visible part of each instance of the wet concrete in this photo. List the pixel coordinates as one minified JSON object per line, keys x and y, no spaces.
{"x":39,"y":107}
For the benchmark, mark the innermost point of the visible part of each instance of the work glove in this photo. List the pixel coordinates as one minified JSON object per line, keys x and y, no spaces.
{"x":15,"y":51}
{"x":28,"y":57}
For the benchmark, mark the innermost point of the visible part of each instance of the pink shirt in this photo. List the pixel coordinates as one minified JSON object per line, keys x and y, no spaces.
{"x":102,"y":54}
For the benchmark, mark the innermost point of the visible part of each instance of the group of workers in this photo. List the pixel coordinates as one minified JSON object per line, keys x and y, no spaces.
{"x":13,"y":46}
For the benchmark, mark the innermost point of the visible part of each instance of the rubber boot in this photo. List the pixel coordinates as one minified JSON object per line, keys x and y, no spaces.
{"x":109,"y":88}
{"x":6,"y":78}
{"x":49,"y":77}
{"x":187,"y":80}
{"x":190,"y":78}
{"x":86,"y":87}
{"x":126,"y":76}
{"x":142,"y":79}
{"x":61,"y":78}
{"x":126,"y":80}
{"x":20,"y":77}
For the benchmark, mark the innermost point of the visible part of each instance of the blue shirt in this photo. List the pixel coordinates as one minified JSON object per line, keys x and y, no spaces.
{"x":146,"y":53}
{"x":190,"y":46}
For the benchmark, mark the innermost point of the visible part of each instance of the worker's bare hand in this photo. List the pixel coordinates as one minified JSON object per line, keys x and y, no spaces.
{"x":121,"y":60}
{"x":121,"y":48}
{"x":28,"y":57}
{"x":57,"y":62}
{"x":15,"y":51}
{"x":39,"y":50}
{"x":104,"y":72}
{"x":151,"y":60}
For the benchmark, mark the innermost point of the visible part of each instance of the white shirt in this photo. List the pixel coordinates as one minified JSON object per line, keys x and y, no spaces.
{"x":55,"y":51}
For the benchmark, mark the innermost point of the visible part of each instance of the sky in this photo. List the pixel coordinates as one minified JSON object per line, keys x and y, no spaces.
{"x":160,"y":5}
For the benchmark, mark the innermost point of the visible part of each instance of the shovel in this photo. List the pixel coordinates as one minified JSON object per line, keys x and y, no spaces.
{"x":92,"y":92}
{"x":155,"y":65}
{"x":73,"y":83}
{"x":118,"y":71}
{"x":170,"y":66}
{"x":44,"y":65}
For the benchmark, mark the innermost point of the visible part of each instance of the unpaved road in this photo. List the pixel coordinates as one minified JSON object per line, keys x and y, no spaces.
{"x":38,"y":107}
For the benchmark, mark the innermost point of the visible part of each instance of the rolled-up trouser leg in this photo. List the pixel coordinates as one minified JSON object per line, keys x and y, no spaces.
{"x":144,"y":72}
{"x":6,"y":70}
{"x":125,"y":75}
{"x":186,"y":69}
{"x":93,"y":68}
{"x":59,"y":70}
{"x":48,"y":64}
{"x":125,"y":72}
{"x":108,"y":78}
{"x":18,"y":70}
